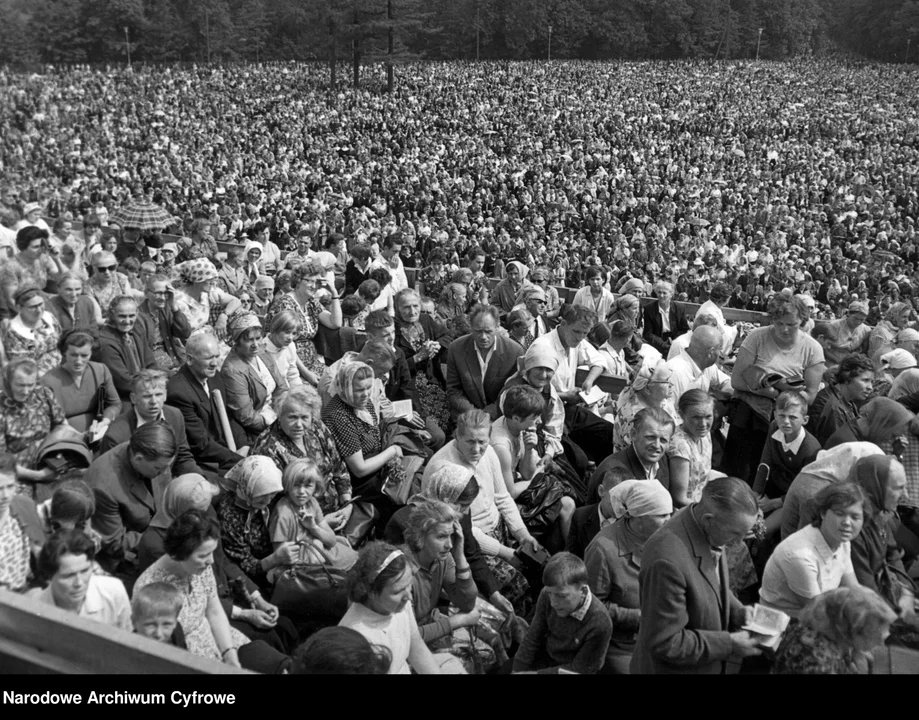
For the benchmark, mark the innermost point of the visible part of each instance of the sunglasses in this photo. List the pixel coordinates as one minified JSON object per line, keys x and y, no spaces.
{"x":540,"y":302}
{"x":35,"y":306}
{"x":106,"y":269}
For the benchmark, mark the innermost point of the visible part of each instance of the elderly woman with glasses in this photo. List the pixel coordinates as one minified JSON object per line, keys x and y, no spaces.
{"x":303,"y":302}
{"x":541,"y":277}
{"x":106,"y":282}
{"x":200,"y":298}
{"x":34,"y":332}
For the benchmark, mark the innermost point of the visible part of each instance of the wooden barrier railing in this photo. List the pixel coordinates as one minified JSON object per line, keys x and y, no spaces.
{"x":39,"y":638}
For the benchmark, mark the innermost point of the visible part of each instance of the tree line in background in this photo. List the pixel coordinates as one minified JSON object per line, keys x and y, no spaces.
{"x":360,"y":31}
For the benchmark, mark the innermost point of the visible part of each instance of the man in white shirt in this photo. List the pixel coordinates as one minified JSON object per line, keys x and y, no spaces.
{"x":569,"y":344}
{"x":680,"y":343}
{"x":389,"y":259}
{"x":696,"y":367}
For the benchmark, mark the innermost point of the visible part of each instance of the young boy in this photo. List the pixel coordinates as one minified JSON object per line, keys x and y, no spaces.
{"x":571,"y":629}
{"x":155,"y":612}
{"x":789,"y":448}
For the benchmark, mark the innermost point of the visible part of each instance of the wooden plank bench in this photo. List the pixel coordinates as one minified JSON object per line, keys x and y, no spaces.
{"x":40,"y":638}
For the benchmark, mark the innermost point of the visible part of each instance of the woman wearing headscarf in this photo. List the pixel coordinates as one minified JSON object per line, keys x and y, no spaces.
{"x":884,"y":335}
{"x":505,"y":294}
{"x":301,"y":300}
{"x":876,"y":556}
{"x":882,"y":419}
{"x":650,"y":388}
{"x":905,"y":390}
{"x":241,"y":598}
{"x":831,"y":466}
{"x":496,"y":520}
{"x":356,"y":428}
{"x":613,"y":560}
{"x":244,"y":510}
{"x":248,"y":381}
{"x":200,"y":298}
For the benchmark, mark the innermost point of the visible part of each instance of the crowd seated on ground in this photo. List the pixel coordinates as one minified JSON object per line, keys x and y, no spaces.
{"x":432,"y":400}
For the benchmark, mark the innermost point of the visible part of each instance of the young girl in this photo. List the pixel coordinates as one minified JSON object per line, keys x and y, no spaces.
{"x":298,"y":518}
{"x":690,"y":450}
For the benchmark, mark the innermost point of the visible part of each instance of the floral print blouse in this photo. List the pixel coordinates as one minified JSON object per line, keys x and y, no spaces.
{"x":39,"y":344}
{"x":320,"y":448}
{"x":244,"y":546}
{"x":804,"y":651}
{"x":23,"y":426}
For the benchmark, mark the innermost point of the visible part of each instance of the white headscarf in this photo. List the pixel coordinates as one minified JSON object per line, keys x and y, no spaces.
{"x":833,"y":465}
{"x":637,"y":498}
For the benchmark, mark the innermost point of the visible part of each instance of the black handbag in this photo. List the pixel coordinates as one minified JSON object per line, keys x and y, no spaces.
{"x":313,"y":590}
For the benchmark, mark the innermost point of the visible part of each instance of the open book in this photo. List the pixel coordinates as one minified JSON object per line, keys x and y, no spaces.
{"x":594,"y":396}
{"x":767,"y":625}
{"x":402,"y":409}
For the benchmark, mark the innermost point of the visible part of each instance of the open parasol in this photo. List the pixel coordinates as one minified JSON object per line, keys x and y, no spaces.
{"x":142,"y":215}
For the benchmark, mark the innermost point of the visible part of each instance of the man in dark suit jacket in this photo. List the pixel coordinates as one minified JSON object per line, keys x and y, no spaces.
{"x":654,"y":333}
{"x":466,"y":387}
{"x":587,"y":521}
{"x":159,"y":309}
{"x":128,"y":484}
{"x":148,"y":405}
{"x":645,"y":458}
{"x":125,"y":346}
{"x":688,"y":611}
{"x":191,"y":391}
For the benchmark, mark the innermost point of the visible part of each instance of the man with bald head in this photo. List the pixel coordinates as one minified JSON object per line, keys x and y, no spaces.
{"x":191,"y":390}
{"x":696,"y":366}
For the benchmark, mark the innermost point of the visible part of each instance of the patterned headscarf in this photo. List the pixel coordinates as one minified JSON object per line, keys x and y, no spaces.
{"x":446,"y":483}
{"x":197,"y":271}
{"x":240,"y":322}
{"x":251,"y":478}
{"x":343,"y":387}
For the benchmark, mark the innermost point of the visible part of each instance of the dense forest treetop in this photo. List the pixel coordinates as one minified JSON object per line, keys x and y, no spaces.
{"x":72,"y":31}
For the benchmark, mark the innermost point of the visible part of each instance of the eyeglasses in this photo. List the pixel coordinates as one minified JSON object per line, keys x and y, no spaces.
{"x":107,"y":268}
{"x":159,"y":293}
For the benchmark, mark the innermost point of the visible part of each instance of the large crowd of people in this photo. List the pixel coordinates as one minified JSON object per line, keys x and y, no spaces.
{"x":453,"y":379}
